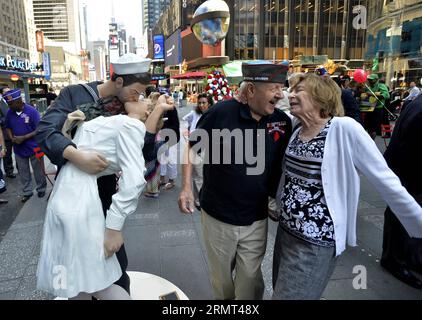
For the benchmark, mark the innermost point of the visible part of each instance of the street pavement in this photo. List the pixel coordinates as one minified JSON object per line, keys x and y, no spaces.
{"x":9,"y":211}
{"x":161,"y":241}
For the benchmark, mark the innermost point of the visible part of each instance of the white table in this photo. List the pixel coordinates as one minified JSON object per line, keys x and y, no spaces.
{"x":145,"y":286}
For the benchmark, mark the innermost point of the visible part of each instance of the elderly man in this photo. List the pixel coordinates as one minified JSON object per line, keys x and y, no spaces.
{"x":129,"y":80}
{"x":235,"y":197}
{"x":414,"y":91}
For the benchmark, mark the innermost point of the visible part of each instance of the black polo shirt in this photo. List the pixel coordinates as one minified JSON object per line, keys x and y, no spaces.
{"x":229,"y":193}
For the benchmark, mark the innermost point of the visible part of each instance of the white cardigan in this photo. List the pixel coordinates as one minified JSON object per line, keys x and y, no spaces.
{"x":348,"y":148}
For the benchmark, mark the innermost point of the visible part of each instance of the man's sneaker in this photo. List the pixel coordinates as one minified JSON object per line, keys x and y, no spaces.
{"x":41,"y":194}
{"x":3,"y":201}
{"x":11,"y":176}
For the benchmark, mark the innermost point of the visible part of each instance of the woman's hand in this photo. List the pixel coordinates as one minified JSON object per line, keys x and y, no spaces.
{"x":113,"y":241}
{"x":166,"y":103}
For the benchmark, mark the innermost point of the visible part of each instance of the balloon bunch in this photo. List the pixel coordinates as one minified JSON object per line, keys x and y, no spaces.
{"x":218,"y":87}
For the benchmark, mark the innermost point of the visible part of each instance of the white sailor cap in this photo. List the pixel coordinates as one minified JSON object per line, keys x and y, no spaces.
{"x":131,"y":63}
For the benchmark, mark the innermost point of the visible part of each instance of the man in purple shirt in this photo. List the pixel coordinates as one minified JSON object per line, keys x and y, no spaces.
{"x":21,"y":124}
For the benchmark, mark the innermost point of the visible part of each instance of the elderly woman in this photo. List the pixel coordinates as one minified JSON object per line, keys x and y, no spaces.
{"x":205,"y":101}
{"x":319,"y":191}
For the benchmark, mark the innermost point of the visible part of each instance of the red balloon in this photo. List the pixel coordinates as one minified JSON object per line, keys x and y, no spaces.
{"x":360,"y":76}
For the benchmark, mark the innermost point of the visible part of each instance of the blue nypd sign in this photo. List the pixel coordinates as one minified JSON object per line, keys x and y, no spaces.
{"x":159,"y":46}
{"x":13,"y":63}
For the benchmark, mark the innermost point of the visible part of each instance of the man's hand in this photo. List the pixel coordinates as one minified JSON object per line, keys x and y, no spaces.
{"x":273,"y":213}
{"x":378,"y":94}
{"x":2,"y":153}
{"x":90,"y":162}
{"x":113,"y":241}
{"x":18,"y":140}
{"x":186,"y":201}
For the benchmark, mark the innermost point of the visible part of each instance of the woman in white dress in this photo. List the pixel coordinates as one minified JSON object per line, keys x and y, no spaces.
{"x":78,"y":249}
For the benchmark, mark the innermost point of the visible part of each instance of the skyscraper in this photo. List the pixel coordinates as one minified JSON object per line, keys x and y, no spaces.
{"x":13,"y":29}
{"x":287,"y":29}
{"x":394,"y":42}
{"x":152,"y":11}
{"x":31,"y":29}
{"x":59,"y":20}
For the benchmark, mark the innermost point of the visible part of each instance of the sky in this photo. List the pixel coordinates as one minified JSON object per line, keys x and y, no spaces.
{"x":128,"y":12}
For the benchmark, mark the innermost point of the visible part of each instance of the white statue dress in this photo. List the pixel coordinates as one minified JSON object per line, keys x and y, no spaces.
{"x":72,"y":252}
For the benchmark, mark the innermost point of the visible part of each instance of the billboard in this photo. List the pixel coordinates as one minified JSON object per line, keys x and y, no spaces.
{"x":159,"y":46}
{"x":113,"y":42}
{"x":173,"y":46}
{"x":46,"y":61}
{"x":39,"y":36}
{"x":113,"y":28}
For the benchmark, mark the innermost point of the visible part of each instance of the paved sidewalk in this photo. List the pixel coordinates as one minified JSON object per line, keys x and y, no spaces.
{"x":161,"y":241}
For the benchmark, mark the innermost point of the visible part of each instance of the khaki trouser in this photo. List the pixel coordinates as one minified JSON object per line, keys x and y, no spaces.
{"x":234,"y":248}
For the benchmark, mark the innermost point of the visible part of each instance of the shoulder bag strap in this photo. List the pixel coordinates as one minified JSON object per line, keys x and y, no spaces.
{"x":90,"y":91}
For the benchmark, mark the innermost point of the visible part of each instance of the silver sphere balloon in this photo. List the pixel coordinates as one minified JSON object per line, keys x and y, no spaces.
{"x":211,"y":22}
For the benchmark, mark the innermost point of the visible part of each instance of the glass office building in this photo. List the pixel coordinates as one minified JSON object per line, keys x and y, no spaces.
{"x":287,"y":29}
{"x":394,"y":40}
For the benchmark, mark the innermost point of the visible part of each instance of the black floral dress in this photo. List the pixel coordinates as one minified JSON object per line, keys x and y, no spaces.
{"x":305,"y":214}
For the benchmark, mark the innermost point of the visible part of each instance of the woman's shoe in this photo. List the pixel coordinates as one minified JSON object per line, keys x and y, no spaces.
{"x":151,"y":195}
{"x":169,"y":185}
